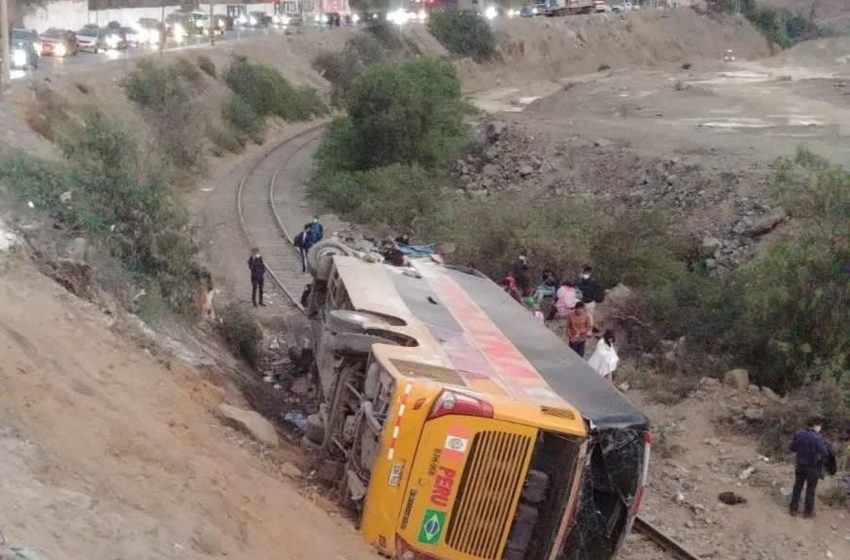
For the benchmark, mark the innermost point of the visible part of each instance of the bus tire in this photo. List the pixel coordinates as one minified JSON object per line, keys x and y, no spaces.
{"x":317,"y":257}
{"x":535,"y":487}
{"x":315,"y":429}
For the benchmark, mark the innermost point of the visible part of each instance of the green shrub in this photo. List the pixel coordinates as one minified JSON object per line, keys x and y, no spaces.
{"x":795,"y":299}
{"x":104,"y":190}
{"x":225,"y":139}
{"x":207,"y":66}
{"x":402,"y":196}
{"x":184,"y":68}
{"x":242,"y":117}
{"x":269,"y":93}
{"x":828,"y":399}
{"x":408,"y":113}
{"x":553,"y":233}
{"x":166,"y":95}
{"x":463,"y":33}
{"x":242,"y":333}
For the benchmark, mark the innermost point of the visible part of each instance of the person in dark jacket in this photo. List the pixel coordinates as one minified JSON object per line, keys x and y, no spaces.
{"x":303,"y":241}
{"x":258,"y":274}
{"x":521,"y":274}
{"x":592,"y":291}
{"x":811,"y":450}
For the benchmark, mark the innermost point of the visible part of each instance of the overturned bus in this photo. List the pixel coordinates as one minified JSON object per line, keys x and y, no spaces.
{"x":467,"y":428}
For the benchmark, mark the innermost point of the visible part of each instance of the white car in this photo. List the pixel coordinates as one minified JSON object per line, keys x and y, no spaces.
{"x":624,"y":7}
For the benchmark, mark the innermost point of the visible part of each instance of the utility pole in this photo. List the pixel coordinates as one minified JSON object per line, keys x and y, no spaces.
{"x":212,"y":26}
{"x":162,"y":34}
{"x":5,"y":50}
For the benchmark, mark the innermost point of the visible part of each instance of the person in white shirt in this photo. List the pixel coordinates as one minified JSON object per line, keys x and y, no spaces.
{"x":604,"y":359}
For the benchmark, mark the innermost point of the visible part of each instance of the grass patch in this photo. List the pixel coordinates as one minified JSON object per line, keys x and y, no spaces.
{"x":207,"y":66}
{"x":463,"y":33}
{"x":166,"y":95}
{"x":242,"y":333}
{"x":105,"y":191}
{"x":268,"y":93}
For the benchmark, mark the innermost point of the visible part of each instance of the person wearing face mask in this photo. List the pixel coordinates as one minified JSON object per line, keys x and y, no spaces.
{"x":812,"y":452}
{"x":592,"y":291}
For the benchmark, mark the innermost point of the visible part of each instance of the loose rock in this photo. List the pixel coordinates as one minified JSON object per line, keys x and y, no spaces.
{"x":737,"y":378}
{"x":251,"y":423}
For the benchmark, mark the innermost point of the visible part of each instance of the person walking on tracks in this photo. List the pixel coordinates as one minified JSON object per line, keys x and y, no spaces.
{"x":258,"y":274}
{"x":303,"y":241}
{"x":812,"y":453}
{"x":579,"y":328}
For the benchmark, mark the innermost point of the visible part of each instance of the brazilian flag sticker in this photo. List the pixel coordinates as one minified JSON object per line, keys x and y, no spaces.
{"x":432,"y":526}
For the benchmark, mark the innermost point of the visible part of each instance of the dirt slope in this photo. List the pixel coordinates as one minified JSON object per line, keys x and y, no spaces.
{"x":109,"y":452}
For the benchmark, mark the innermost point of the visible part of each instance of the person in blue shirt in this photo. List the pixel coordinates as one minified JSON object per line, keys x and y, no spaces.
{"x":812,"y":451}
{"x":316,"y":231}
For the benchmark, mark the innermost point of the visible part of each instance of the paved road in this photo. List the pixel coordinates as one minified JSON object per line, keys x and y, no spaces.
{"x":58,"y":66}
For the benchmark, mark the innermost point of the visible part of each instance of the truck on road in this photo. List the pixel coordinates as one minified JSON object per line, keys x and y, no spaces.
{"x":464,"y":429}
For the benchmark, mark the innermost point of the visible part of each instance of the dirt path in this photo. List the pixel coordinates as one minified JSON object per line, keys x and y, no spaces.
{"x":109,"y":452}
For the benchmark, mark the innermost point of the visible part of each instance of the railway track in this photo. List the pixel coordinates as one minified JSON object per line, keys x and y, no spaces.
{"x":667,"y":543}
{"x":272,"y":226}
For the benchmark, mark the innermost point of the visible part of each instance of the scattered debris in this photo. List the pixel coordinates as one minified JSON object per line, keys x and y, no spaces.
{"x":731,"y":498}
{"x":297,"y":419}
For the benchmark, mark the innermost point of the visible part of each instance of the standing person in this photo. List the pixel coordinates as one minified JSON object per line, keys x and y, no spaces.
{"x":520,"y":271}
{"x":604,"y":359}
{"x":317,"y":232}
{"x":258,"y":274}
{"x":303,"y":242}
{"x":812,"y":451}
{"x":566,"y":299}
{"x":579,"y":327}
{"x":591,"y":290}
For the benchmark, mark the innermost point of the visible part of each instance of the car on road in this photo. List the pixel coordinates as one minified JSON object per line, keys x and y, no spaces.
{"x":259,"y":19}
{"x":90,"y":39}
{"x":26,"y":48}
{"x":59,"y":42}
{"x":150,"y":31}
{"x":624,"y":7}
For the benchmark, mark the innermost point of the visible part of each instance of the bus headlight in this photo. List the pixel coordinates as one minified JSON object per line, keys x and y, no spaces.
{"x":19,"y":58}
{"x":60,"y":50}
{"x":491,"y":12}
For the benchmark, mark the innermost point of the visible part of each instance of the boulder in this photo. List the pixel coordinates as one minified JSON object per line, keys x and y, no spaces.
{"x":250,"y":423}
{"x":766,"y":223}
{"x":737,"y":378}
{"x":769,"y":394}
{"x":495,"y":130}
{"x":492,"y":170}
{"x":525,"y":170}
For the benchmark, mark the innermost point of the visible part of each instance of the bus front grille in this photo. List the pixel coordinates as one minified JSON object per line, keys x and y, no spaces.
{"x":487,"y":493}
